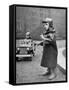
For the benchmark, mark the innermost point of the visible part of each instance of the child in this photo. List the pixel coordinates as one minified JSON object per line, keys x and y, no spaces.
{"x":30,"y":50}
{"x":28,"y":35}
{"x":49,"y":58}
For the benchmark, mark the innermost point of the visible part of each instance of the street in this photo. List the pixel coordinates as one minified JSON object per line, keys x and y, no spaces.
{"x":31,"y":71}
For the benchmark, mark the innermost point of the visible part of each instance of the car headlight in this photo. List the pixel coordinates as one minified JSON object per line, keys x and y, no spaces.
{"x":27,"y":48}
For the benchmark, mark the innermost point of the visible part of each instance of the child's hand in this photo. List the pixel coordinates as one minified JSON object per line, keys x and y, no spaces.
{"x":42,"y":37}
{"x":45,"y":38}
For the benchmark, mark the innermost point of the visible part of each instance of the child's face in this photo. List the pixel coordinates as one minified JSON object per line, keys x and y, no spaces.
{"x":46,"y":25}
{"x":27,"y":36}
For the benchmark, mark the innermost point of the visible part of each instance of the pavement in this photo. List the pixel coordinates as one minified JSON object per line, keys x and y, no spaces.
{"x":31,"y":71}
{"x":62,"y":58}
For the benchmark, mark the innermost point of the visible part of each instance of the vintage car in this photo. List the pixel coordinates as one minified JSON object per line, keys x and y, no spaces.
{"x":25,"y":49}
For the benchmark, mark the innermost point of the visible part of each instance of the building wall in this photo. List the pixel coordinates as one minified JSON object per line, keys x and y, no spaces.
{"x":29,"y":19}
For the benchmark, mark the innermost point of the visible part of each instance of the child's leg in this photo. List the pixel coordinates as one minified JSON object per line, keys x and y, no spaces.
{"x":52,"y":74}
{"x":48,"y":72}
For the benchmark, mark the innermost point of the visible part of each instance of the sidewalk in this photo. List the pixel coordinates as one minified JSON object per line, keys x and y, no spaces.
{"x":61,"y":59}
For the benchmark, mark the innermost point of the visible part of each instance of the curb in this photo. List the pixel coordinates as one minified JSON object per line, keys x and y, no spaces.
{"x":61,"y":69}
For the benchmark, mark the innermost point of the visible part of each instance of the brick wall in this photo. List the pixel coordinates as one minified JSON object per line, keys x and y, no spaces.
{"x":29,"y":19}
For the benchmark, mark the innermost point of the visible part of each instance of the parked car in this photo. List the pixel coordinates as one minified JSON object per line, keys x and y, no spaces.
{"x":25,"y":49}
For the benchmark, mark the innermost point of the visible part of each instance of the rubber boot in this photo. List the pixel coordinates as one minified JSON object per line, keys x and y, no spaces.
{"x":52,"y":75}
{"x":48,"y":72}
